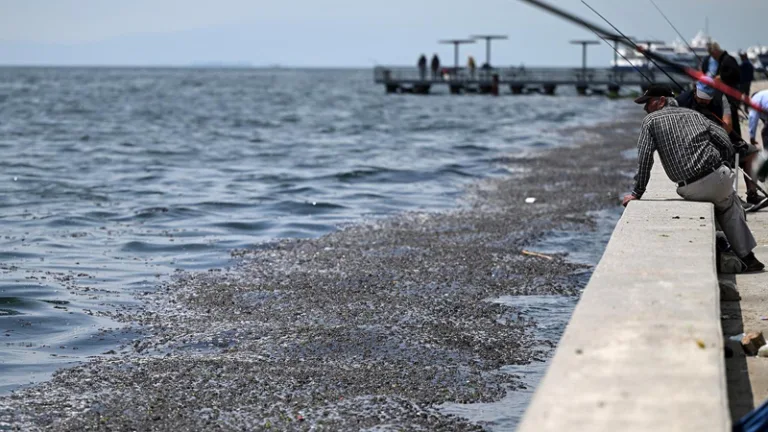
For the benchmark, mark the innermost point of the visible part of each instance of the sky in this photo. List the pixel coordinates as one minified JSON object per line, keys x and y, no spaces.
{"x":343,"y":33}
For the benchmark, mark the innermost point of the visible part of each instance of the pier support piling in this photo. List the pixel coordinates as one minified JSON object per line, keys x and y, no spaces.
{"x":392,"y":88}
{"x":549,"y":89}
{"x":422,"y":89}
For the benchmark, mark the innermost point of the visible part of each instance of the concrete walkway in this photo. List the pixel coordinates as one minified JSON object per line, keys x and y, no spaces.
{"x":748,"y":376}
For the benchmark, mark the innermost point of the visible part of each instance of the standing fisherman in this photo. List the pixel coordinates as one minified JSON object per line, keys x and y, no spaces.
{"x":747,"y":74}
{"x":723,"y":67}
{"x":761,"y":99}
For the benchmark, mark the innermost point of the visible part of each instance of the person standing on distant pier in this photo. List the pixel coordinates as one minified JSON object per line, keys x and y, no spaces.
{"x":692,"y":150}
{"x":422,"y":64}
{"x":471,"y":66}
{"x":747,"y":74}
{"x":722,"y":66}
{"x":435,"y":66}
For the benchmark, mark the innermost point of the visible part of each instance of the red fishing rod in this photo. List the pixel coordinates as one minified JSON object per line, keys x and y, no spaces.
{"x":656,"y":58}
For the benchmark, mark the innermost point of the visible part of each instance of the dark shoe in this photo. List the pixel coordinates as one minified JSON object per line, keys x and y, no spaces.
{"x":753,"y":265}
{"x":728,"y":352}
{"x":759,"y":205}
{"x":745,"y":204}
{"x":754,"y":198}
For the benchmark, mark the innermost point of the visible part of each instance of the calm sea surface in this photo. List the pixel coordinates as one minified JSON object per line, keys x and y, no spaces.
{"x":111,"y":179}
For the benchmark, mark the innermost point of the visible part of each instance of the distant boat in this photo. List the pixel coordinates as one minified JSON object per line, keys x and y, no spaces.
{"x":758,"y":55}
{"x":677,"y":52}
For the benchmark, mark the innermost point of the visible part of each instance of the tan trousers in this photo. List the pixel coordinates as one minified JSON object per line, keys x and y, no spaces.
{"x":717,"y":188}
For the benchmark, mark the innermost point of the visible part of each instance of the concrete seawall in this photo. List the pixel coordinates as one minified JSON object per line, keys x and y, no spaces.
{"x":644,"y":348}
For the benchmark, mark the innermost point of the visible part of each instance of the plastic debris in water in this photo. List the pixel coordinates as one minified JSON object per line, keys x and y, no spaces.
{"x":530,"y":200}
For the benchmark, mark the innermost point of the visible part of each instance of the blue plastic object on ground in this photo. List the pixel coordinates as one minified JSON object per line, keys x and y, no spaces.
{"x":755,"y":421}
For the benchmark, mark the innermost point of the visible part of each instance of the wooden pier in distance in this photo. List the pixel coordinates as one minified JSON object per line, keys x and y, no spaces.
{"x":518,"y":79}
{"x":490,"y":80}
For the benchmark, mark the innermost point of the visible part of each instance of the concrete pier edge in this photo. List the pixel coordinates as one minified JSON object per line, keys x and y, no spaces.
{"x":644,"y":348}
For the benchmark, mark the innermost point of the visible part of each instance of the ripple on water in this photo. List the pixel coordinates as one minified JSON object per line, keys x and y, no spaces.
{"x":254,"y":226}
{"x":154,"y":247}
{"x":304,"y":230}
{"x":305,"y":207}
{"x":171,"y":213}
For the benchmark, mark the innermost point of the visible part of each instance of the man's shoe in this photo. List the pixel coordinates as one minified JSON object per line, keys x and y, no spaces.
{"x":753,"y":265}
{"x":754,"y":198}
{"x":761,"y":203}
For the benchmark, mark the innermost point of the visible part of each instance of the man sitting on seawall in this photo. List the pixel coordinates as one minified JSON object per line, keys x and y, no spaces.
{"x":692,"y":150}
{"x":715,"y":106}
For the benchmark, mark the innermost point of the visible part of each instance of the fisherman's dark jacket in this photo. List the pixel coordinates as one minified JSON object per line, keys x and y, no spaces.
{"x":728,"y":69}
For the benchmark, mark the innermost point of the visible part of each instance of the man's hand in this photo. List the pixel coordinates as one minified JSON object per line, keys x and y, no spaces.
{"x":753,"y":141}
{"x":728,"y":123}
{"x":628,"y":198}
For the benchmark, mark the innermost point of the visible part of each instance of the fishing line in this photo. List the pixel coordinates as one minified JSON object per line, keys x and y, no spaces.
{"x":634,"y":46}
{"x":675,"y":29}
{"x":694,"y":74}
{"x":622,"y":56}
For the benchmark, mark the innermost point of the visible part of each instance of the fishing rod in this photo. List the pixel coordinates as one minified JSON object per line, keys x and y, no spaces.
{"x":622,"y":56}
{"x":634,"y":45}
{"x":693,"y":73}
{"x":597,"y":29}
{"x":681,"y":37}
{"x":675,"y":29}
{"x":685,"y":69}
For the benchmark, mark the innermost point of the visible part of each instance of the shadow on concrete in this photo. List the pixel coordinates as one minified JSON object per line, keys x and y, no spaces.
{"x":740,"y":398}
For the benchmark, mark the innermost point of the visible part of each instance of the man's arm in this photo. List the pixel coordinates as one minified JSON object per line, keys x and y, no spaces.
{"x":753,"y":120}
{"x":727,"y":118}
{"x":645,"y":149}
{"x":723,"y":143}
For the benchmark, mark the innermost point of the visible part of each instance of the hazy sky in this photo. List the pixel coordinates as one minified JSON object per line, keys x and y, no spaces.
{"x":342,"y":32}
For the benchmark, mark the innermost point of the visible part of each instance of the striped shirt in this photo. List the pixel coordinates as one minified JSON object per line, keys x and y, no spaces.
{"x":688,"y":145}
